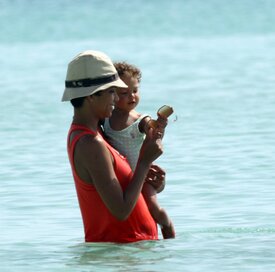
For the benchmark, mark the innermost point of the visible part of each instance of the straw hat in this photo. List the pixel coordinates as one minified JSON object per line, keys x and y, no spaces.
{"x":90,"y":72}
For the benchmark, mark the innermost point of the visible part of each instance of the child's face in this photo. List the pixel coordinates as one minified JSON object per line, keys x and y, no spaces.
{"x":128,"y":97}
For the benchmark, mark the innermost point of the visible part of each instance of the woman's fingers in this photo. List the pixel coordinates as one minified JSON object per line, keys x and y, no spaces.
{"x":156,"y":177}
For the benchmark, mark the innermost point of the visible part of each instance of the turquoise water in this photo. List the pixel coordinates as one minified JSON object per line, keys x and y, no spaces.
{"x":213,"y":61}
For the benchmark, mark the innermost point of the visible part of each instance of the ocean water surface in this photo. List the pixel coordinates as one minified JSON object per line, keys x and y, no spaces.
{"x":213,"y":61}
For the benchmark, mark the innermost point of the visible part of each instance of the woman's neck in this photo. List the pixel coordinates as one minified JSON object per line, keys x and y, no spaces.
{"x":85,"y":120}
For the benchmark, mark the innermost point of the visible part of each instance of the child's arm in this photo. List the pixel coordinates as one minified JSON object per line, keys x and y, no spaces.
{"x":144,"y":124}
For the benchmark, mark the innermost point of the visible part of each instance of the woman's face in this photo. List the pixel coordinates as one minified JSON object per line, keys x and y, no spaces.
{"x":128,"y":97}
{"x":105,"y":102}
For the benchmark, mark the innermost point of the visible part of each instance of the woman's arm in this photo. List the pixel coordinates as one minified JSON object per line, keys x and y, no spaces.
{"x":92,"y":153}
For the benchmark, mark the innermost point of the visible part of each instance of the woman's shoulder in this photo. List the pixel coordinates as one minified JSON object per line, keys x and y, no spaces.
{"x":89,"y":141}
{"x":92,"y":149}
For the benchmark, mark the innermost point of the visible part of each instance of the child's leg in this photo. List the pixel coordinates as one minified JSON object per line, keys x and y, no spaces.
{"x":158,"y":213}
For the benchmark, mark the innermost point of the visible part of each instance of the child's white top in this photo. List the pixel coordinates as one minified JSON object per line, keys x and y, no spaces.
{"x":127,"y":141}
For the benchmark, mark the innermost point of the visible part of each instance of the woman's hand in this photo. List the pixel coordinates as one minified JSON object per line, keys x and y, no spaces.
{"x":162,"y":123}
{"x":156,"y":177}
{"x":151,"y":148}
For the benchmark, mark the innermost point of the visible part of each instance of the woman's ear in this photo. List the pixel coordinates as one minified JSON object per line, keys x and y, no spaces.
{"x":90,"y":98}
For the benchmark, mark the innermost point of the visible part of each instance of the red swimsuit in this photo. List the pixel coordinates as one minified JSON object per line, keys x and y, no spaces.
{"x":99,"y":224}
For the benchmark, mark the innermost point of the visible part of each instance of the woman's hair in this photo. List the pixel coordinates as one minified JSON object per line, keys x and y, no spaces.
{"x":125,"y":68}
{"x":78,"y":102}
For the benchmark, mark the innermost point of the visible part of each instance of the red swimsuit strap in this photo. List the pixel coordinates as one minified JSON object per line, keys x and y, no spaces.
{"x":75,"y":127}
{"x":84,"y":130}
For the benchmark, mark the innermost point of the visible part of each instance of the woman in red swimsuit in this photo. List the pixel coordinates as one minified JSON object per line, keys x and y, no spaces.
{"x":109,"y":193}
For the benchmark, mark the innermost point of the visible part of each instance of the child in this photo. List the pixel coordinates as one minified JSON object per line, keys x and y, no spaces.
{"x":126,"y":130}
